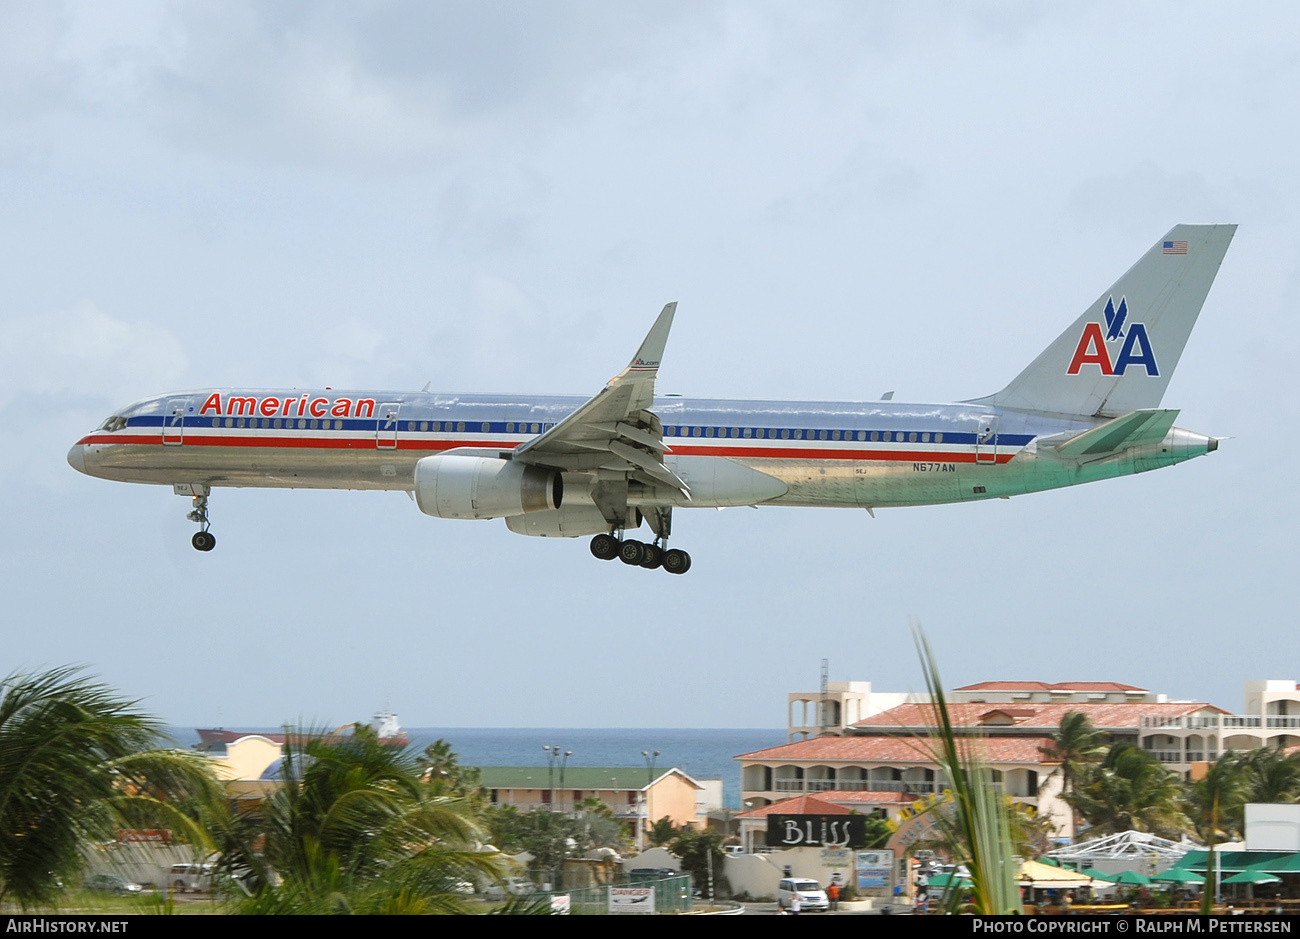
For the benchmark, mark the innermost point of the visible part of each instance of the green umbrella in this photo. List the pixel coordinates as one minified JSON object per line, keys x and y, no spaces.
{"x":1131,"y":877}
{"x":946,"y":880}
{"x":1178,"y":875}
{"x":1249,"y":876}
{"x":1098,"y":875}
{"x":1288,"y":864}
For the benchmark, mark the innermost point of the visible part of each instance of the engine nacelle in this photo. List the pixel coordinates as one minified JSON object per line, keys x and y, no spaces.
{"x":572,"y":521}
{"x":484,"y":487}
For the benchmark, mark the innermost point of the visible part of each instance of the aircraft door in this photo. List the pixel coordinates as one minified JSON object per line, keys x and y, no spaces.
{"x":386,"y":431}
{"x":173,"y":426}
{"x":986,"y":440}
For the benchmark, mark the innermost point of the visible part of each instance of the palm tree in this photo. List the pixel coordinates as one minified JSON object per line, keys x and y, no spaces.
{"x":662,"y":832}
{"x":1215,"y":803}
{"x":1272,"y":775}
{"x":77,"y":762}
{"x":1075,"y":744}
{"x":354,"y":829}
{"x":1129,"y":789}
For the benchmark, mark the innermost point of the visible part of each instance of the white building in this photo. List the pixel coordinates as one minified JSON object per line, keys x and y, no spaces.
{"x":888,"y":749}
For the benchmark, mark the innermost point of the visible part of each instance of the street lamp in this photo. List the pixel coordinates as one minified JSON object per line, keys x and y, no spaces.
{"x":564,"y":761}
{"x":649,"y":765}
{"x":551,"y":754}
{"x":649,"y":778}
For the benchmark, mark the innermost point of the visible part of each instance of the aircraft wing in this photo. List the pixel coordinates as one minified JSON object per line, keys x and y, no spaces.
{"x":615,"y":430}
{"x":1128,"y":430}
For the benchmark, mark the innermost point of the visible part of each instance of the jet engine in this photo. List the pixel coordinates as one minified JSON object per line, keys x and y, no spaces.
{"x":484,"y":487}
{"x":572,"y":521}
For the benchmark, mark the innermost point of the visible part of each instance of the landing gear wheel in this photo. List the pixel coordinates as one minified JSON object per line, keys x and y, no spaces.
{"x":605,"y":547}
{"x":676,"y":561}
{"x":654,"y":557}
{"x":632,"y":552}
{"x":203,"y":539}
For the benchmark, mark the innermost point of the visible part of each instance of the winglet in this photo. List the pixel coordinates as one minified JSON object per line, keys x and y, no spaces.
{"x":647,"y":357}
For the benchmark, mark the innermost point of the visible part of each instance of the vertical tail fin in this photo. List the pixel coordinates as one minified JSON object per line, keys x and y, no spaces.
{"x":1120,"y":354}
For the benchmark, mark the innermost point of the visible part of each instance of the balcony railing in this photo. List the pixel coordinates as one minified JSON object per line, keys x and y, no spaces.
{"x":1184,"y":756}
{"x":855,"y":785}
{"x":874,"y":785}
{"x":1221,"y":722}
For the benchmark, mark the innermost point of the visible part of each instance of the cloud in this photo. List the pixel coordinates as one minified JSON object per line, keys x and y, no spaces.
{"x":33,"y":75}
{"x":385,"y":86}
{"x":1131,"y":198}
{"x":85,"y":352}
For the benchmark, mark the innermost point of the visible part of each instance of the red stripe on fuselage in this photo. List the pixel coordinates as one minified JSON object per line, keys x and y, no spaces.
{"x":436,"y":446}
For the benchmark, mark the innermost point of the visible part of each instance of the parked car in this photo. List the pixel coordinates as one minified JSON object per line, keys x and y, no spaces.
{"x":513,"y":886}
{"x":811,"y":895}
{"x":643,"y":874}
{"x":112,"y":883}
{"x":653,"y":875}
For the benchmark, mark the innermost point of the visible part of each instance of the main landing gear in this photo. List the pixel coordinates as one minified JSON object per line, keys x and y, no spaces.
{"x":634,"y":553}
{"x":203,"y":539}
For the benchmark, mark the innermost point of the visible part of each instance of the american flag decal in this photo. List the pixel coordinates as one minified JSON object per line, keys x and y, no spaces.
{"x":1175,"y":247}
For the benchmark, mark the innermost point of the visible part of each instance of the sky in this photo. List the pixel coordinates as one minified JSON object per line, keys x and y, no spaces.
{"x":845,"y":199}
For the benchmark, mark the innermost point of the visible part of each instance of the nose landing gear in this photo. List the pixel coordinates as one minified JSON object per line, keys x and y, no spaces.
{"x":203,"y":539}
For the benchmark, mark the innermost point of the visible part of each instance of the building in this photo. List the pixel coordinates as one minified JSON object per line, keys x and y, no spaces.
{"x":635,"y":795}
{"x":889,"y":750}
{"x":1271,"y":719}
{"x":839,"y":705}
{"x":249,"y":762}
{"x":753,"y":824}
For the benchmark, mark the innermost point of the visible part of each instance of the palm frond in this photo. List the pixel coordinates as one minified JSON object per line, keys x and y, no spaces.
{"x":977,"y":824}
{"x":76,"y":763}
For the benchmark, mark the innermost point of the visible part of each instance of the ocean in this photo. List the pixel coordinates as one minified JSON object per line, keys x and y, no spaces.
{"x":704,"y":754}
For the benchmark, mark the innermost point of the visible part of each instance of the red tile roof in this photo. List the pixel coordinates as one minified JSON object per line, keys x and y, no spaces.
{"x":1104,"y":715}
{"x":841,"y":796}
{"x":799,"y":805}
{"x":1049,"y":686}
{"x":898,"y":750}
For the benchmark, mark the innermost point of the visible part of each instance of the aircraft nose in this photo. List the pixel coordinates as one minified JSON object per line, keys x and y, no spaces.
{"x":77,"y":458}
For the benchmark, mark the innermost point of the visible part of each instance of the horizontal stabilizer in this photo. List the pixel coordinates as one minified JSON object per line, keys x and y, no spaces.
{"x":1130,"y":430}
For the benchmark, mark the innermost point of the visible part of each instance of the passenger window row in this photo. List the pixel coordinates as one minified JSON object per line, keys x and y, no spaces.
{"x":486,"y":427}
{"x":277,"y":423}
{"x":534,"y":427}
{"x":786,"y":433}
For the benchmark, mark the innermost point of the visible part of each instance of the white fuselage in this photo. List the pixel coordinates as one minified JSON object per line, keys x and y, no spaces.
{"x":841,"y":454}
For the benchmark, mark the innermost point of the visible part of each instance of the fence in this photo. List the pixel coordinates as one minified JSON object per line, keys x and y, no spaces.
{"x":672,"y":895}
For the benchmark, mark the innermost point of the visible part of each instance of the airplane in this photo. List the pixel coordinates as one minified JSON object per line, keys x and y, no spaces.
{"x":1087,"y":408}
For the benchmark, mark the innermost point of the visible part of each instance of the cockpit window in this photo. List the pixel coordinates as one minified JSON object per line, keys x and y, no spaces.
{"x":114,"y":423}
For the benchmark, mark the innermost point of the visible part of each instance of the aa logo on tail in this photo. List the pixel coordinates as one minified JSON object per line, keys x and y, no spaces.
{"x":1092,"y":349}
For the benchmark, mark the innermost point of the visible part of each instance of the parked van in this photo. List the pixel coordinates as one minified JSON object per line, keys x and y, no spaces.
{"x":811,"y":894}
{"x":190,"y":878}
